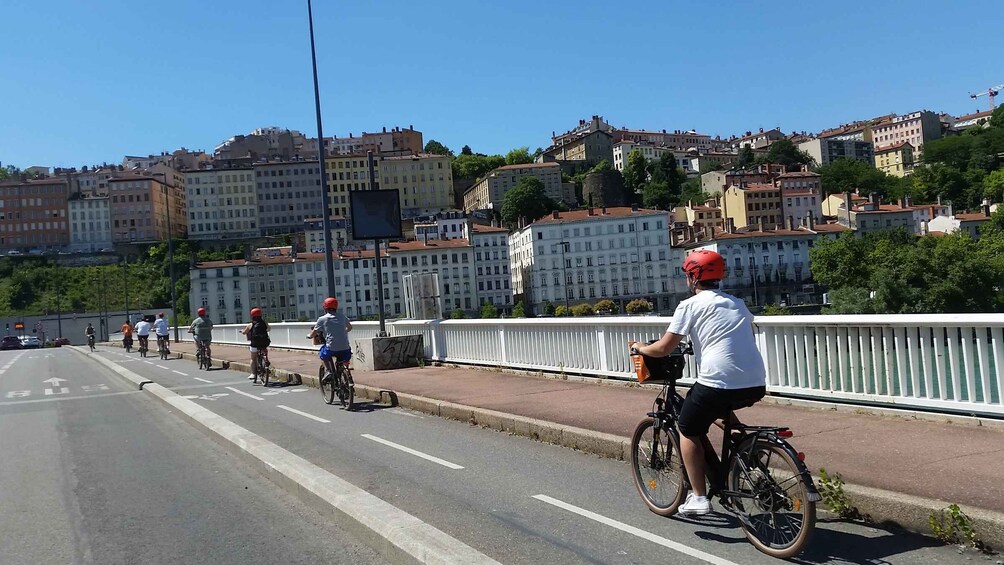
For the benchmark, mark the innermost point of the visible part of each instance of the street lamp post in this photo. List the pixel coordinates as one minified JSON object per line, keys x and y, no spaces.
{"x":170,"y":258}
{"x":329,"y":262}
{"x":564,"y":276}
{"x":125,"y":274}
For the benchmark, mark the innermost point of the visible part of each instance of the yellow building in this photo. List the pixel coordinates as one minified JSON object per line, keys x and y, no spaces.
{"x":705,"y":216}
{"x":424,"y":181}
{"x":895,"y":160}
{"x":347,"y":173}
{"x":753,"y":204}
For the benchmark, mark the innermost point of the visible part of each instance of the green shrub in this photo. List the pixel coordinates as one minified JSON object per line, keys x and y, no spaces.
{"x":488,"y":310}
{"x":457,"y":314}
{"x":518,"y":311}
{"x":561,"y":311}
{"x":638,"y":306}
{"x":581,"y":310}
{"x":547,"y":309}
{"x":605,"y":307}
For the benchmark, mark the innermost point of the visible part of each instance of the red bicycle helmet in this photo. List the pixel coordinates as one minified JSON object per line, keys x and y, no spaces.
{"x":202,"y":312}
{"x":704,"y":265}
{"x":256,"y":312}
{"x":330,"y":303}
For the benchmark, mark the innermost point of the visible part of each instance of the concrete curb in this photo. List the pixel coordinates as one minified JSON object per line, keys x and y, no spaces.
{"x":880,"y":507}
{"x":398,"y":535}
{"x":135,"y":379}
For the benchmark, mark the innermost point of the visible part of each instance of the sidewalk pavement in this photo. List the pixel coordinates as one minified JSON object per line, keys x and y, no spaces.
{"x":948,"y":459}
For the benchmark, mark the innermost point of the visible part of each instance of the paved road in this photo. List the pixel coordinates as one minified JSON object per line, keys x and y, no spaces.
{"x":491,"y":490}
{"x":93,"y":471}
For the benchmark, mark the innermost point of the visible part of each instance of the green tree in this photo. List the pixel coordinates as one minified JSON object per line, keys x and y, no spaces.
{"x":537,"y":153}
{"x":746,"y":157}
{"x":561,"y":311}
{"x":692,"y":192}
{"x":488,"y":311}
{"x":547,"y":309}
{"x":635,"y":172}
{"x":638,"y":306}
{"x":519,"y":311}
{"x":603,"y":165}
{"x":518,"y":156}
{"x":657,"y":195}
{"x":940,"y":180}
{"x":666,"y":170}
{"x":997,"y":118}
{"x":526,"y":200}
{"x":581,"y":310}
{"x":466,"y":150}
{"x":775,"y":310}
{"x":437,"y":148}
{"x":457,"y":314}
{"x":605,"y":307}
{"x":994,"y":186}
{"x":848,"y":175}
{"x":475,"y":166}
{"x":708,"y":165}
{"x":786,"y":153}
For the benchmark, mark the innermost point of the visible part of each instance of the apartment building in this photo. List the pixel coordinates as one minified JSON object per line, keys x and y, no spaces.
{"x":347,"y":173}
{"x":756,"y":140}
{"x":715,"y":182}
{"x":221,"y":203}
{"x":895,"y":159}
{"x":90,"y":222}
{"x":313,"y":233}
{"x":589,"y":255}
{"x":141,"y":205}
{"x":969,"y":223}
{"x":678,"y":140}
{"x":753,"y":204}
{"x":651,"y":152}
{"x":915,"y":128}
{"x":488,"y":192}
{"x":491,"y":261}
{"x":828,"y":150}
{"x":801,"y":194}
{"x":874,"y":215}
{"x":222,"y":288}
{"x":584,"y":150}
{"x":286,"y":192}
{"x":424,"y":182}
{"x":34,"y":214}
{"x":397,"y":141}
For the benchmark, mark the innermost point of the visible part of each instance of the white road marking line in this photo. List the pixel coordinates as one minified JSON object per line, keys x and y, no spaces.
{"x":180,"y":373}
{"x":425,"y":456}
{"x":242,"y":393}
{"x":148,"y":362}
{"x":163,"y":367}
{"x":686,"y":550}
{"x":400,"y":412}
{"x":304,"y":414}
{"x":203,"y":380}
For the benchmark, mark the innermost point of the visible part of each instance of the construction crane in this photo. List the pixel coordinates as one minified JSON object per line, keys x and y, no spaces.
{"x":990,"y":93}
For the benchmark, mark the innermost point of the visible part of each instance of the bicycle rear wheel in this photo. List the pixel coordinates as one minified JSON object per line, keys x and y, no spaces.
{"x":657,"y":468}
{"x":346,"y":391}
{"x":775,"y":510}
{"x":263,"y":372}
{"x":326,"y":382}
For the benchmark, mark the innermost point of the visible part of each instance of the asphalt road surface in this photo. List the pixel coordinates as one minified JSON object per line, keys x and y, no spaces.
{"x":94,"y":471}
{"x":514,"y":499}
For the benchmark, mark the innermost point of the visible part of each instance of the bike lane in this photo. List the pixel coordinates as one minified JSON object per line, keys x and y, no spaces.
{"x":518,"y":500}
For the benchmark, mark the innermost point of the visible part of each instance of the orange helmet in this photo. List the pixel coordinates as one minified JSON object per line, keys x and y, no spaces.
{"x":330,"y":303}
{"x":704,"y":265}
{"x":202,"y":312}
{"x":256,"y":312}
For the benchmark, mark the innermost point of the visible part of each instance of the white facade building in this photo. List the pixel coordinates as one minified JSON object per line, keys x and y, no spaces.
{"x":90,"y":223}
{"x":589,"y":255}
{"x":652,"y":153}
{"x":221,"y":287}
{"x":221,"y":203}
{"x":491,"y":256}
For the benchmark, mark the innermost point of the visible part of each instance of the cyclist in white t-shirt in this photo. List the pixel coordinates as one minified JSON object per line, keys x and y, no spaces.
{"x":730,"y":371}
{"x":163,"y":331}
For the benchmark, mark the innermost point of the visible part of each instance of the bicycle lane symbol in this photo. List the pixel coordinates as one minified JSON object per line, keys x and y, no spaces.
{"x":283,"y":391}
{"x":206,"y":396}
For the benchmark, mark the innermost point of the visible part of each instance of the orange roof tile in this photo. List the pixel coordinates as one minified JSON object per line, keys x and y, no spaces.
{"x":579,"y":215}
{"x":893,"y":147}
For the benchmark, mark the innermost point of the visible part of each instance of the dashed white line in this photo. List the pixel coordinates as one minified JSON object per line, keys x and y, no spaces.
{"x":304,"y":414}
{"x":148,"y":362}
{"x":203,"y":380}
{"x":241,"y":392}
{"x":414,"y":452}
{"x":400,"y":412}
{"x":180,"y":373}
{"x":163,"y":367}
{"x":686,"y":550}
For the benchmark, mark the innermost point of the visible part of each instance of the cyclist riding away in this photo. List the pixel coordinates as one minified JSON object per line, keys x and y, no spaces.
{"x":127,"y":334}
{"x":333,"y":326}
{"x":163,"y":332}
{"x":89,"y":332}
{"x":257,"y":333}
{"x":202,"y":329}
{"x":143,"y":333}
{"x":730,"y":372}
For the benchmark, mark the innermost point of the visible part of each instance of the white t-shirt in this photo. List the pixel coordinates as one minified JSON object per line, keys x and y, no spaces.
{"x":160,"y":325}
{"x":721,"y":328}
{"x":143,"y":328}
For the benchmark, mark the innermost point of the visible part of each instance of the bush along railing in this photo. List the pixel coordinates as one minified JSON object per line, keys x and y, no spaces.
{"x":944,"y":363}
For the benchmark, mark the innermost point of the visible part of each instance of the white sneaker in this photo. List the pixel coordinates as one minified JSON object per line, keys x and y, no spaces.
{"x":251,"y":377}
{"x":695,"y":506}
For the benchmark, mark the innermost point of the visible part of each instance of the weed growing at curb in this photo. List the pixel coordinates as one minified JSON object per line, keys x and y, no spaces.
{"x":952,"y":525}
{"x":420,"y":360}
{"x":832,"y":490}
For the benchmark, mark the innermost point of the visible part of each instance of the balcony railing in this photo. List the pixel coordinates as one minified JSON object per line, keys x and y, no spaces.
{"x":947,"y":363}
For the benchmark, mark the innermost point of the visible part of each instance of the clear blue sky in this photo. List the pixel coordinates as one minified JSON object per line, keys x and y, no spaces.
{"x":87,"y":82}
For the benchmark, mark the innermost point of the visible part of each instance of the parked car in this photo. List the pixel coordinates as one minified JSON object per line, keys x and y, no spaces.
{"x":10,"y":342}
{"x":36,"y":251}
{"x":30,"y":342}
{"x":13,"y":252}
{"x":61,"y":341}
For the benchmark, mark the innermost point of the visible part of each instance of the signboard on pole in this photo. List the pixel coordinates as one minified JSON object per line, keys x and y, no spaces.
{"x":376,"y":214}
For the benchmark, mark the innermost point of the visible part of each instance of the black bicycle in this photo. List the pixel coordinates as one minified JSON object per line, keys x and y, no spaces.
{"x":144,"y":343}
{"x":262,"y":369}
{"x":337,"y":384}
{"x":202,"y":356}
{"x":162,"y":346}
{"x":760,"y":478}
{"x":90,"y":342}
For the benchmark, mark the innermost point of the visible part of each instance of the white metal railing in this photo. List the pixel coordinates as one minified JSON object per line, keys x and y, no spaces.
{"x":939,"y":361}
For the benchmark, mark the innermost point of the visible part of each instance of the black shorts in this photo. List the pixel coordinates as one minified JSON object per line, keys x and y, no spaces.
{"x":705,"y":404}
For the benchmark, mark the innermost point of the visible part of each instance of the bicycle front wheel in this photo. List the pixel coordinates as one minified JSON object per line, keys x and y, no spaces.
{"x":263,"y":373}
{"x":657,"y":468}
{"x":326,"y":382}
{"x":772,"y":501}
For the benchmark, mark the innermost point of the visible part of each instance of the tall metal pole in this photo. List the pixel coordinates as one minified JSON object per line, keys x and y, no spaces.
{"x":564,"y":276}
{"x":125,"y":273}
{"x":329,"y":261}
{"x":170,"y":258}
{"x":379,"y":274}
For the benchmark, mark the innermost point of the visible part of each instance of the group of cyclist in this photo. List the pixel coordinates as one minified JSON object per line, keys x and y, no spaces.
{"x":331,"y":330}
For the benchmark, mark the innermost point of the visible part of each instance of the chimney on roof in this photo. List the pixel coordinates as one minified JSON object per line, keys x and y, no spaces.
{"x":761,"y":130}
{"x":730,"y":225}
{"x":986,"y":208}
{"x":690,"y":233}
{"x":791,"y":223}
{"x":674,"y":237}
{"x":591,"y":212}
{"x":810,"y":220}
{"x":634,"y":208}
{"x":555,"y":215}
{"x":603,"y":211}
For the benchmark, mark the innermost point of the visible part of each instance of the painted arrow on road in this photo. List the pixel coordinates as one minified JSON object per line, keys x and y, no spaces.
{"x":56,"y":388}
